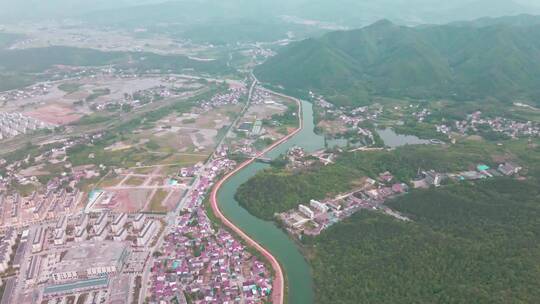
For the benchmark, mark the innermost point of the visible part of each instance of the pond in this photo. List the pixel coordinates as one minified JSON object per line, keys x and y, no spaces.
{"x":394,"y":140}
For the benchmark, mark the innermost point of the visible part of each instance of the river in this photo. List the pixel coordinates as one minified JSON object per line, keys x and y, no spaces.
{"x":297,"y":271}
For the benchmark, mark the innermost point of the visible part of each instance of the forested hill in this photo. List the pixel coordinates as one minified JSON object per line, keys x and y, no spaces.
{"x":467,"y":244}
{"x":496,"y":58}
{"x":37,"y":60}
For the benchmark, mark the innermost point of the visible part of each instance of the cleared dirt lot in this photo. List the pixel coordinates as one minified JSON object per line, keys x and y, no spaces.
{"x":58,"y":114}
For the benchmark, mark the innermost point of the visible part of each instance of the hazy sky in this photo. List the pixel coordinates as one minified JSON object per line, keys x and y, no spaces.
{"x":348,"y":11}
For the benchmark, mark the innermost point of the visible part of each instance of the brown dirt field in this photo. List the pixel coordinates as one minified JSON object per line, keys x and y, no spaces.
{"x":175,"y":197}
{"x":55,"y":114}
{"x":132,"y":200}
{"x":77,"y":95}
{"x":332,"y":127}
{"x":263,"y":111}
{"x":157,"y":202}
{"x":33,"y":171}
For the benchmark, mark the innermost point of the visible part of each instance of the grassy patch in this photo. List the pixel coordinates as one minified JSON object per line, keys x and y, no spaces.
{"x":156,"y":204}
{"x":134,"y":181}
{"x":70,"y":87}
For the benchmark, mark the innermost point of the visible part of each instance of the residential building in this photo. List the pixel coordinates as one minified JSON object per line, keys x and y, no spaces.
{"x":39,"y":239}
{"x":304,"y":210}
{"x":138,"y":223}
{"x":319,"y":206}
{"x":147,"y":233}
{"x":119,"y":222}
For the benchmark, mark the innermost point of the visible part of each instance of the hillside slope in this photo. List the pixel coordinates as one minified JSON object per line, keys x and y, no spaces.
{"x":460,"y":61}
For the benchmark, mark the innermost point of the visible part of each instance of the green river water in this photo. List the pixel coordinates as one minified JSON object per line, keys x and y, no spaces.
{"x":295,"y":267}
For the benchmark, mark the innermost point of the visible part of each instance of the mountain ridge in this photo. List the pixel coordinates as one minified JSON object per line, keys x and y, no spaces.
{"x":461,"y":62}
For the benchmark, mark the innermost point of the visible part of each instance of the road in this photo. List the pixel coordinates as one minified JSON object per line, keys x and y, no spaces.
{"x":278,"y":288}
{"x":171,"y":216}
{"x":278,"y":292}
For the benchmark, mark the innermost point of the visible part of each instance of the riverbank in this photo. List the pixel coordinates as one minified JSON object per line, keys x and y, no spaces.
{"x":278,"y":289}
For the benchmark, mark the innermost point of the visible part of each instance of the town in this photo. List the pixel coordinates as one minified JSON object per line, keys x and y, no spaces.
{"x":60,"y":207}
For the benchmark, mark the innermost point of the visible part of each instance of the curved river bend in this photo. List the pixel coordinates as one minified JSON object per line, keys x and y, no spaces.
{"x":295,"y":267}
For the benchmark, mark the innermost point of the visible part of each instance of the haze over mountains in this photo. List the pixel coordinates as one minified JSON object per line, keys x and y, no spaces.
{"x":489,"y":58}
{"x":352,"y":13}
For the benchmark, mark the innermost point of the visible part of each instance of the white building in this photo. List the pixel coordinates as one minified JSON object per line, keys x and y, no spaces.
{"x":60,"y":225}
{"x":304,"y":210}
{"x":138,"y":223}
{"x":102,"y":234}
{"x":147,"y":233}
{"x":318,"y":206}
{"x":119,"y":222}
{"x":101,"y":222}
{"x":81,"y":235}
{"x":91,"y":260}
{"x":33,"y":270}
{"x":39,"y":239}
{"x":82,"y":223}
{"x":5,"y":256}
{"x":121,"y":235}
{"x":60,"y":237}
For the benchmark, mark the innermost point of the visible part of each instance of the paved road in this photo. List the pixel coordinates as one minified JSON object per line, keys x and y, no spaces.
{"x":172,"y":216}
{"x":278,"y":293}
{"x":278,"y":287}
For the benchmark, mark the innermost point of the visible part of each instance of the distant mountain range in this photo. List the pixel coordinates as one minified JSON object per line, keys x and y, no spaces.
{"x":488,"y":58}
{"x":39,"y":10}
{"x":257,"y":20}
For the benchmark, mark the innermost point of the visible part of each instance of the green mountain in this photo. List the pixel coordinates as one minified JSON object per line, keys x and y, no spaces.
{"x":22,"y":67}
{"x":462,"y":61}
{"x":37,"y":60}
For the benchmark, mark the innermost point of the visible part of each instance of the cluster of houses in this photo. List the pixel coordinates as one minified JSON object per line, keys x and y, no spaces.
{"x":261,"y":96}
{"x":208,"y":264}
{"x":351,"y":118}
{"x":137,"y":231}
{"x":7,"y":242}
{"x":27,"y":170}
{"x":312,"y":219}
{"x":13,"y":124}
{"x":231,"y":97}
{"x":432,"y":178}
{"x":18,"y":211}
{"x":51,"y":196}
{"x":475,"y":122}
{"x":297,"y":159}
{"x":28,"y":92}
{"x":421,"y":114}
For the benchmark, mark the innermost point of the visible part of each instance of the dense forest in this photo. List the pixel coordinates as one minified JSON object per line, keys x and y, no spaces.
{"x":490,"y":59}
{"x":277,"y":190}
{"x":467,"y":244}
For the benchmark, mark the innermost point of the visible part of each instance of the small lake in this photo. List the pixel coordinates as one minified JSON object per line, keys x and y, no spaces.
{"x":394,"y":140}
